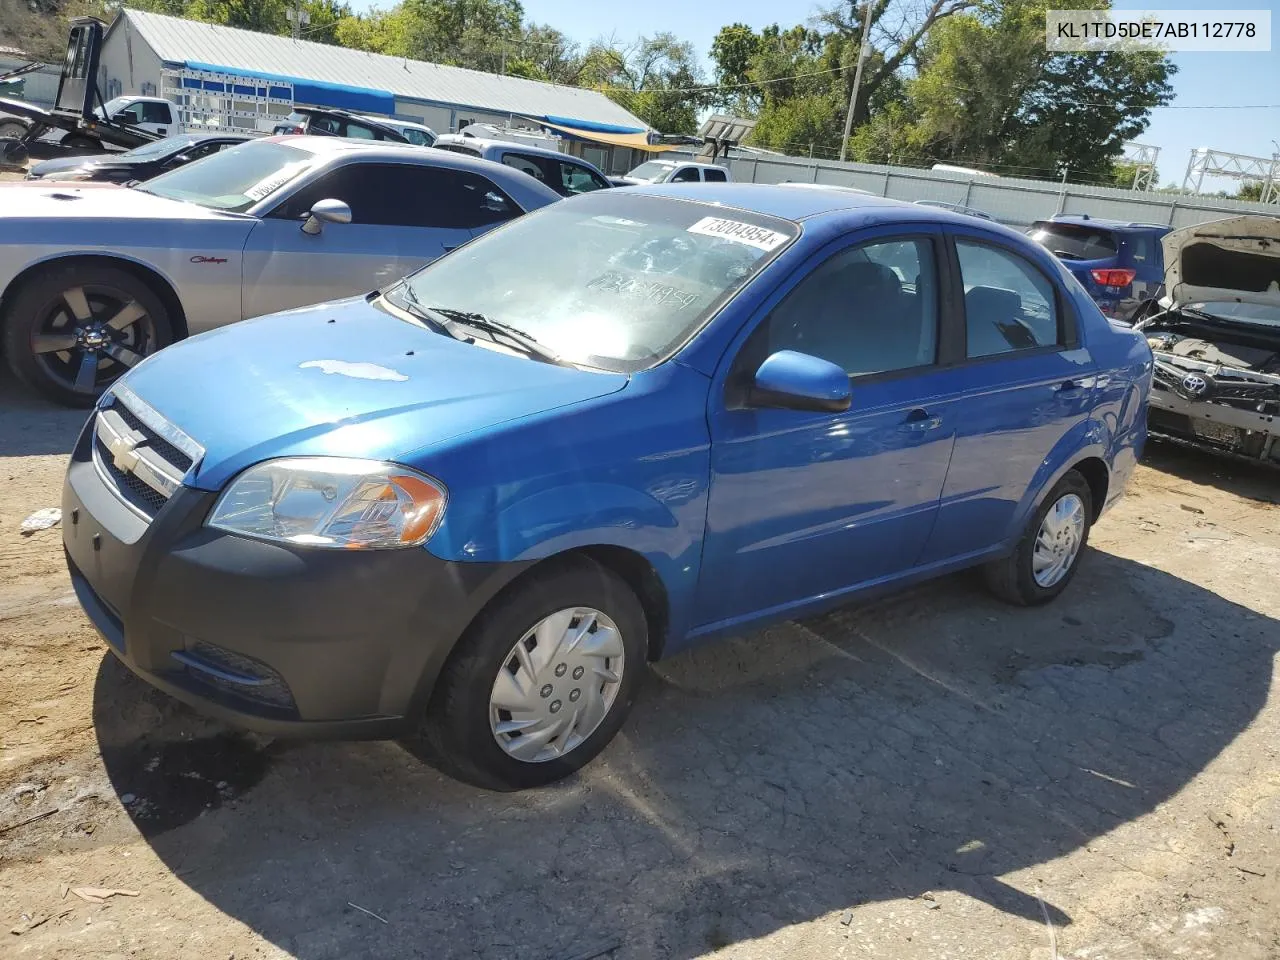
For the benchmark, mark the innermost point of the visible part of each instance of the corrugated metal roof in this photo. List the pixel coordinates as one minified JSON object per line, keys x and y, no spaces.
{"x":176,"y":41}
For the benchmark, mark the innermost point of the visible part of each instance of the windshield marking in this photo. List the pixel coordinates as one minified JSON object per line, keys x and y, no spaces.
{"x":642,"y":290}
{"x":759,"y":237}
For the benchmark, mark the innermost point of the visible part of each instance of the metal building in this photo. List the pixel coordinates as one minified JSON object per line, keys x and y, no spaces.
{"x":254,"y":79}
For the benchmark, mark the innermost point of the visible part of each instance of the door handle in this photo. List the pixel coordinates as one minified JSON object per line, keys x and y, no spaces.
{"x":450,"y":249}
{"x":919,"y":420}
{"x":1069,"y":388}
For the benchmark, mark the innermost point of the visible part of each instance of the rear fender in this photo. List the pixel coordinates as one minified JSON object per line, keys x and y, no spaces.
{"x":1088,"y":438}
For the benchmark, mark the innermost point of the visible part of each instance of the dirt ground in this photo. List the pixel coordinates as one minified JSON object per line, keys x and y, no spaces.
{"x":935,"y":775}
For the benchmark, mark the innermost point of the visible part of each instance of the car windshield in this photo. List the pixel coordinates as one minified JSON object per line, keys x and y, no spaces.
{"x":1073,"y":241}
{"x":1259,"y":313}
{"x":631,"y":278}
{"x":149,"y":151}
{"x":655,"y":171}
{"x":236,"y":179}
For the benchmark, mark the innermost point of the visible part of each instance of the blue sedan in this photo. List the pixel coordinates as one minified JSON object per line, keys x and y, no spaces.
{"x":473,"y":505}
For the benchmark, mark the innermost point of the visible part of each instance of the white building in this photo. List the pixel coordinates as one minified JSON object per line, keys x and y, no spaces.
{"x":256,"y":76}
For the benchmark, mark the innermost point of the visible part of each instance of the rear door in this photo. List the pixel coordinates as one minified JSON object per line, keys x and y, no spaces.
{"x":1022,"y":382}
{"x":403,"y":216}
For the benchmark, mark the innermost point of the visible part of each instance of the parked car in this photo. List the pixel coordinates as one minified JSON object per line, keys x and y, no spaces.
{"x":1216,"y":338}
{"x":479,"y":501}
{"x":1118,"y":262}
{"x":415,"y":133}
{"x":331,"y":122}
{"x":956,"y":208}
{"x":564,"y":174}
{"x":95,"y":277}
{"x":140,"y":163}
{"x":674,"y":171}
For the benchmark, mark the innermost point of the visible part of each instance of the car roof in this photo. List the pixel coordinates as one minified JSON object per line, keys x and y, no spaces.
{"x":393,"y":122}
{"x":484,"y":143}
{"x":1083,"y":220}
{"x":779,"y":199}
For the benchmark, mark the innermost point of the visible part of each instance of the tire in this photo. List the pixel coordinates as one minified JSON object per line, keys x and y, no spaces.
{"x":15,"y":129}
{"x":463,"y":724}
{"x":46,"y":312}
{"x":1014,"y":578}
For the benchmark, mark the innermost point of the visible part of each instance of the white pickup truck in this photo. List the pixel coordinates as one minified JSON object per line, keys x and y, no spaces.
{"x":674,"y":171}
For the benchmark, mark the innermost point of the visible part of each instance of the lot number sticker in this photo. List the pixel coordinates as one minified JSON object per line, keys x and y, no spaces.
{"x":739,"y":232}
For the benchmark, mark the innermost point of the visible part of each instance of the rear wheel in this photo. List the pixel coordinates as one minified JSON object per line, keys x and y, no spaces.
{"x":542,"y":681}
{"x":72,"y":330}
{"x":1048,"y":554}
{"x":12,"y":128}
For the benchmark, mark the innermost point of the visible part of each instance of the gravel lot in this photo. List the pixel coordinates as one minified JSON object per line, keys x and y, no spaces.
{"x":932,"y":776}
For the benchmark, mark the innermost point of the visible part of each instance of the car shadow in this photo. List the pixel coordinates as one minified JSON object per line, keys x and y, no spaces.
{"x":32,"y":426}
{"x":933,"y":741}
{"x":1253,"y":481}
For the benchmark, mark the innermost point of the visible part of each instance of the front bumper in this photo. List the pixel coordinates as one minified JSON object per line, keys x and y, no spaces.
{"x":273,"y":638}
{"x":1218,"y":427}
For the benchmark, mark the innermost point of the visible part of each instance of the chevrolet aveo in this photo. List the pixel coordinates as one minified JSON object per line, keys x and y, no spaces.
{"x":471,"y":506}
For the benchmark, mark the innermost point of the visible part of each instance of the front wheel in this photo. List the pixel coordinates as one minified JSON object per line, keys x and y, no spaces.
{"x":1048,"y":553}
{"x":542,"y":681}
{"x":70,"y":331}
{"x":14,"y":129}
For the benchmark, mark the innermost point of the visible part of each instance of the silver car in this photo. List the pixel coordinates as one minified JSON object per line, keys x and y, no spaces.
{"x":95,"y":277}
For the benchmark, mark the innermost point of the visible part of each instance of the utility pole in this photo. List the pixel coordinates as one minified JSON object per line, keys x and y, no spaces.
{"x":864,"y":51}
{"x":298,"y":18}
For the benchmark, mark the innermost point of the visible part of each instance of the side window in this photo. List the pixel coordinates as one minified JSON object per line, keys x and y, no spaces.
{"x":416,"y":136}
{"x":687,"y":175}
{"x":575,"y":179}
{"x":535,"y":167}
{"x":356,"y":131}
{"x":715,"y":176}
{"x":869,"y":309}
{"x":405,"y":195}
{"x":1008,"y":304}
{"x":330,"y":125}
{"x":130,"y":114}
{"x":155,"y":113}
{"x":1142,"y":247}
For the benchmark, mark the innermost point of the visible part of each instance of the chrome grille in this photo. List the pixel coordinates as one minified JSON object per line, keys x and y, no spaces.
{"x":140,"y":455}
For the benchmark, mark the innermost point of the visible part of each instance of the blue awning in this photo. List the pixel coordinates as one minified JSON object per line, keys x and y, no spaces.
{"x":319,"y":93}
{"x":591,"y":125}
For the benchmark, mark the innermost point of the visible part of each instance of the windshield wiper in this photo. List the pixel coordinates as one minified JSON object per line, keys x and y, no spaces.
{"x":412,"y":305}
{"x":496,"y":330}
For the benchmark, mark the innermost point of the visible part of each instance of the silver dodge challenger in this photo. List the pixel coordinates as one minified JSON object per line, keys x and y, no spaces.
{"x":95,"y":277}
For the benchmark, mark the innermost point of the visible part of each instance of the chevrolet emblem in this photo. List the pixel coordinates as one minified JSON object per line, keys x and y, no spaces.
{"x":124,"y":453}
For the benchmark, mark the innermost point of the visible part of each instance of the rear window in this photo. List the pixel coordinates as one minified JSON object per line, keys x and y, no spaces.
{"x":458,"y":148}
{"x":1072,"y":241}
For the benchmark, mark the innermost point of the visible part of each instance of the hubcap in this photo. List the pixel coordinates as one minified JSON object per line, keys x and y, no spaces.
{"x":91,"y":335}
{"x":556,"y":685}
{"x":1058,"y":541}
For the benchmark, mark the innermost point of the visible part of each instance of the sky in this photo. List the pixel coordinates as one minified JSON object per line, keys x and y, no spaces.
{"x":1210,"y":88}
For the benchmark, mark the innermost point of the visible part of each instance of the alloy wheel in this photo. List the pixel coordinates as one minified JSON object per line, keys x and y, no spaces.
{"x":91,"y":335}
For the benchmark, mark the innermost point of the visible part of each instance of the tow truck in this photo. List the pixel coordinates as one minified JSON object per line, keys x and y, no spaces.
{"x":88,"y":128}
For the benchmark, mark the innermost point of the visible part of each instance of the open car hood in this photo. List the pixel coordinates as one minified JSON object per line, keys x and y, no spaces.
{"x":1233,"y":260}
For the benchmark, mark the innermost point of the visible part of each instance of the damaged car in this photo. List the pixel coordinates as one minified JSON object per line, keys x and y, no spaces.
{"x":1215,"y":336}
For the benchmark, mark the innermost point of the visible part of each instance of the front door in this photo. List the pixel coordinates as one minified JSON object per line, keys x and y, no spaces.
{"x":1025,"y":383}
{"x":805,"y":504}
{"x":403,"y":216}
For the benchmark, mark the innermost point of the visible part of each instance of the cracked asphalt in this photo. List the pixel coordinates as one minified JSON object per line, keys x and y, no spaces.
{"x":933,"y":775}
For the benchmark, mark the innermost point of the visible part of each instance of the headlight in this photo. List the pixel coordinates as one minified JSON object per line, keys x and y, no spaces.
{"x":332,"y":502}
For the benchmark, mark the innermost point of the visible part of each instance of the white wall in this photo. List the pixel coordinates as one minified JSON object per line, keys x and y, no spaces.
{"x":127,"y":58}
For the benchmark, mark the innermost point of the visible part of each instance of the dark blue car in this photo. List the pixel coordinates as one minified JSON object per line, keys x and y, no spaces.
{"x":1119,"y":263}
{"x":476,"y":503}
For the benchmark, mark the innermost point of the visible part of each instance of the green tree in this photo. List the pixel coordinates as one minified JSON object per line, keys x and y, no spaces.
{"x":657,"y":78}
{"x":988,"y":92}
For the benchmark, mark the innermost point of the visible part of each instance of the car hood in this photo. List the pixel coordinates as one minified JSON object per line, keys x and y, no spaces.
{"x":346,"y":378}
{"x":48,"y":199}
{"x":46,"y":168}
{"x":1237,"y":259}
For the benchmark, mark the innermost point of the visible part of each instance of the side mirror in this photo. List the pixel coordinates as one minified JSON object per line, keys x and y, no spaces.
{"x":326,"y":211}
{"x":798,"y":381}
